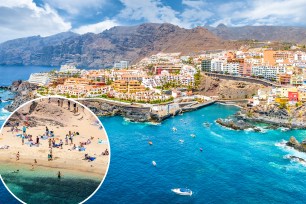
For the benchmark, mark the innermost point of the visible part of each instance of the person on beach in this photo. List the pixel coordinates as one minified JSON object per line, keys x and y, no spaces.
{"x":22,"y":139}
{"x":49,"y":101}
{"x":61,"y":143}
{"x":62,"y":102}
{"x":35,"y":161}
{"x":68,"y":105}
{"x":58,"y":102}
{"x":71,"y":139}
{"x":53,"y":142}
{"x":17,"y":156}
{"x":50,"y":143}
{"x":66,"y":140}
{"x":47,"y":131}
{"x":74,"y":108}
{"x":37,"y":141}
{"x":24,"y":129}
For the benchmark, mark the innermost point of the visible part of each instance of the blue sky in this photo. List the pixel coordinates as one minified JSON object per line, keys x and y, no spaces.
{"x":21,"y":18}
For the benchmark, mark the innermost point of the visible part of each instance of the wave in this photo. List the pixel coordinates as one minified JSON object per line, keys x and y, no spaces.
{"x":126,"y":121}
{"x":3,"y":118}
{"x":216,"y":134}
{"x":3,"y":110}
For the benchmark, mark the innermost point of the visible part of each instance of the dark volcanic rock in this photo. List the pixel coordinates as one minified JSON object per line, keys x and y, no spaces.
{"x":23,"y":93}
{"x":236,"y":125}
{"x":296,"y":145}
{"x":119,"y":43}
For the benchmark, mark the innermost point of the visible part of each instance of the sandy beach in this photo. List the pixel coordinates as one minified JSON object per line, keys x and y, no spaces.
{"x":88,"y":136}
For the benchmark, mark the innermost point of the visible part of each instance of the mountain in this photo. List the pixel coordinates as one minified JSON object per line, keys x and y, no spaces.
{"x":118,"y":43}
{"x":261,"y":33}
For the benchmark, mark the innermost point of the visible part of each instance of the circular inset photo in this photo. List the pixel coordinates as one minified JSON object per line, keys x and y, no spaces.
{"x":53,"y":150}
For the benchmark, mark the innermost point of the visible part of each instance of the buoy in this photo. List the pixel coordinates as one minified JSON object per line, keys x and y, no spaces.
{"x":153,"y":163}
{"x":150,"y":142}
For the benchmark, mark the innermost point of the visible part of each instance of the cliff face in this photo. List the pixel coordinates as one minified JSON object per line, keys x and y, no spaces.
{"x":261,"y":33}
{"x":119,"y":43}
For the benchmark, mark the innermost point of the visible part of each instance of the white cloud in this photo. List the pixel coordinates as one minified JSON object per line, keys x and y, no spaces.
{"x":195,"y":13}
{"x":96,"y":28}
{"x":152,"y":11}
{"x":77,"y":6}
{"x":24,"y":18}
{"x":262,"y":12}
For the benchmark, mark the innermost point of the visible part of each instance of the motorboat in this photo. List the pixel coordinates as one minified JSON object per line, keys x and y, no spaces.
{"x":153,"y":163}
{"x":174,"y":129}
{"x":182,"y":191}
{"x":192,"y":135}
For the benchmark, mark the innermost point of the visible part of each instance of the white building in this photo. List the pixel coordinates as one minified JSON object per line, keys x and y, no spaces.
{"x":69,"y":68}
{"x":121,"y":65}
{"x":231,"y":68}
{"x":217,"y":65}
{"x":39,"y":78}
{"x":268,"y":72}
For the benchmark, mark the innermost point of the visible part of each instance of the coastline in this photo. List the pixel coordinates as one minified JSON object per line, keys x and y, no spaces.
{"x":47,"y":170}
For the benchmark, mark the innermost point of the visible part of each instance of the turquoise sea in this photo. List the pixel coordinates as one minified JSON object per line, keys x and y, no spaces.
{"x":234,"y":166}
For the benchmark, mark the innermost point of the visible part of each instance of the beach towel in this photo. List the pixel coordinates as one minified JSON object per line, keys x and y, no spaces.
{"x":44,"y":137}
{"x":91,"y":158}
{"x":19,"y":135}
{"x":31,"y":144}
{"x":102,"y":142}
{"x":82,"y":149}
{"x":4,"y":147}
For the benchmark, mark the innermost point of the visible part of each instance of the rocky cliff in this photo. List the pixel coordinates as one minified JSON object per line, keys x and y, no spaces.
{"x":119,"y":43}
{"x":261,"y":33}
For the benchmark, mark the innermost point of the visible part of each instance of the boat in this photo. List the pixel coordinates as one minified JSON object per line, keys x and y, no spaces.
{"x":182,"y":191}
{"x":153,"y":163}
{"x":174,"y":129}
{"x":150,"y":142}
{"x":181,"y":141}
{"x":192,"y":135}
{"x":206,"y":124}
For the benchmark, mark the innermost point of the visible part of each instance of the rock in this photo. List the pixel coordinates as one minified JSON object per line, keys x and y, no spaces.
{"x":235,"y":125}
{"x":293,"y":142}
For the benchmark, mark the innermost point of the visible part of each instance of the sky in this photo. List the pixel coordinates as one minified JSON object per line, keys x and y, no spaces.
{"x":23,"y":18}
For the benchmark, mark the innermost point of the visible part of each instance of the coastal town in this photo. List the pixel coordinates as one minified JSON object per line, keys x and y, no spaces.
{"x":167,"y":77}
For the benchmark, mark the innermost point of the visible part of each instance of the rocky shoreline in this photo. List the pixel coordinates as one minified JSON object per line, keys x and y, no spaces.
{"x":296,"y":144}
{"x":237,"y":125}
{"x":23,"y":92}
{"x":293,"y":118}
{"x":132,"y":113}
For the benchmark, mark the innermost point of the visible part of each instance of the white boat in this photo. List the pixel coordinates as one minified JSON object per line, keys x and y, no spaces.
{"x":192,"y":135}
{"x":182,"y":191}
{"x":153,"y":163}
{"x":181,"y":141}
{"x":174,"y":129}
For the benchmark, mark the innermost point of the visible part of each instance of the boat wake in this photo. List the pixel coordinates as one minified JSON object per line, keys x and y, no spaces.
{"x":216,"y":134}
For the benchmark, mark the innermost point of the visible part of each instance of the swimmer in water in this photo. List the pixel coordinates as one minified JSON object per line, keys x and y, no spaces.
{"x":59,"y":175}
{"x":17,"y":171}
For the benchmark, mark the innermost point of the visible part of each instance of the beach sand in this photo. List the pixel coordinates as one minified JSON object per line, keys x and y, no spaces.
{"x":60,"y":120}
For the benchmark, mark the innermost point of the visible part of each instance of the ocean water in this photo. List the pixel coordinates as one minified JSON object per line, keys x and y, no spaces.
{"x":234,"y":166}
{"x":12,"y":73}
